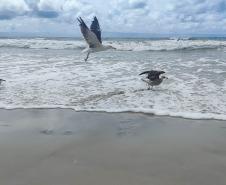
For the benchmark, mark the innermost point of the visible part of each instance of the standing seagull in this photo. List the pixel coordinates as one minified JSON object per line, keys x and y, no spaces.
{"x":153,"y":78}
{"x":92,"y":36}
{"x":1,"y":80}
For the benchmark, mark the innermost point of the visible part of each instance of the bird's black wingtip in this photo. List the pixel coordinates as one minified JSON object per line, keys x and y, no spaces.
{"x":79,"y":20}
{"x":153,"y":71}
{"x":144,"y":72}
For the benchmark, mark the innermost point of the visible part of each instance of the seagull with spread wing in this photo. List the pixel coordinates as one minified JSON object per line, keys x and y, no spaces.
{"x":92,"y":36}
{"x":153,"y":78}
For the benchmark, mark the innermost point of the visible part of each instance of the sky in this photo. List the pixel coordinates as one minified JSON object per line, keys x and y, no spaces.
{"x":58,"y":17}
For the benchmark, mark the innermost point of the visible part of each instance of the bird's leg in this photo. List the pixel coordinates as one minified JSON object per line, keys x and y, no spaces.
{"x":149,"y":87}
{"x":87,"y":56}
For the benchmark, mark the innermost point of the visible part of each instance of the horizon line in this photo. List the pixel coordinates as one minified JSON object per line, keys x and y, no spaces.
{"x":111,"y":35}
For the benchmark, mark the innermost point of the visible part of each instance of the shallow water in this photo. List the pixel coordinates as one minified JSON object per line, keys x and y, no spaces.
{"x":52,"y":73}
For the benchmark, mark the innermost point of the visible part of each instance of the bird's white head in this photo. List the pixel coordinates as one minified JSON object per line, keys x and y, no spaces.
{"x":163,"y":77}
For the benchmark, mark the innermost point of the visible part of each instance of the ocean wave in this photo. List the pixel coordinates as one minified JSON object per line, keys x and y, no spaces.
{"x":185,"y":115}
{"x":110,"y":82}
{"x":123,"y":45}
{"x":42,"y":44}
{"x":168,"y":45}
{"x":191,"y":48}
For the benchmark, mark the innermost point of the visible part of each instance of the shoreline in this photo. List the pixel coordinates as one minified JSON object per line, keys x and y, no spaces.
{"x":58,"y":146}
{"x":221,"y":116}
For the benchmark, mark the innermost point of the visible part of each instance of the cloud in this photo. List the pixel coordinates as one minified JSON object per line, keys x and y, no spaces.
{"x":151,"y":16}
{"x":169,"y":16}
{"x":64,"y":10}
{"x":47,"y":9}
{"x":137,"y":4}
{"x":71,"y":9}
{"x":12,"y":8}
{"x":130,"y":4}
{"x":200,"y":15}
{"x":49,"y":5}
{"x":47,"y":14}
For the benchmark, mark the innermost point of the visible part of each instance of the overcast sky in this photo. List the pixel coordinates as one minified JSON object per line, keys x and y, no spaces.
{"x":139,"y":16}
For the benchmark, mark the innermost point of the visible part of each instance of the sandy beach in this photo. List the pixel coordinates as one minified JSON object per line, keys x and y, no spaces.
{"x":118,"y":92}
{"x":64,"y":147}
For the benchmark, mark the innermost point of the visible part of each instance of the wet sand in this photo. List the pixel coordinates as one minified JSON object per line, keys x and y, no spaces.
{"x":64,"y":147}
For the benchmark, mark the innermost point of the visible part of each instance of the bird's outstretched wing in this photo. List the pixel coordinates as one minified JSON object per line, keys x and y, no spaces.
{"x":145,"y":72}
{"x":95,"y":28}
{"x":88,"y":35}
{"x":152,"y":75}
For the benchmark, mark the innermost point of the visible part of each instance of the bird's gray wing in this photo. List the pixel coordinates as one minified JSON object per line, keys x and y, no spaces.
{"x":88,"y":35}
{"x":95,"y":28}
{"x":145,"y":72}
{"x":159,"y":72}
{"x":152,"y":75}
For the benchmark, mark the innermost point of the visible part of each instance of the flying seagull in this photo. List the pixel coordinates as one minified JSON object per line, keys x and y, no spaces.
{"x":93,"y":37}
{"x":153,"y":78}
{"x":1,"y":80}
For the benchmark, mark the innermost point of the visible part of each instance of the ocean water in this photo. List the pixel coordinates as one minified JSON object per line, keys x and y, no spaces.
{"x":42,"y":72}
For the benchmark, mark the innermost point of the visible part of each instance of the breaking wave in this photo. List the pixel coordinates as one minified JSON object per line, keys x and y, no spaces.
{"x":110,"y":82}
{"x":124,"y":45}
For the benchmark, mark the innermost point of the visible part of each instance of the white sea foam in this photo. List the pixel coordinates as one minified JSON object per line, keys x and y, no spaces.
{"x":168,"y":45}
{"x":41,"y":44}
{"x":109,"y":81}
{"x":186,"y":115}
{"x":126,"y":45}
